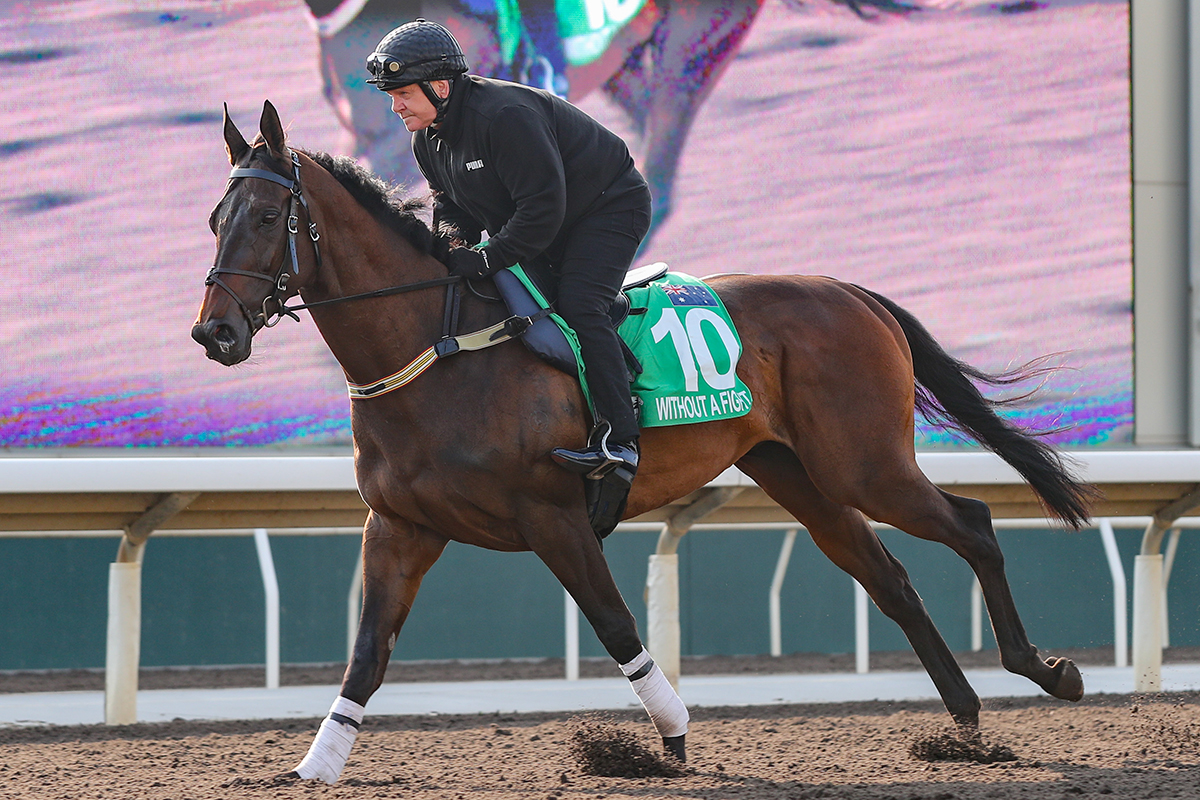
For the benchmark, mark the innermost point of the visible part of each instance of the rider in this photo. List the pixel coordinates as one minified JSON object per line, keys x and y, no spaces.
{"x":550,"y":185}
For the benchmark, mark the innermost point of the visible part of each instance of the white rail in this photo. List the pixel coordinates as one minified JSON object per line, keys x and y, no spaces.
{"x":572,"y":637}
{"x":862,"y":630}
{"x":123,"y":632}
{"x":201,"y":472}
{"x":976,"y":615}
{"x":266,"y":566}
{"x":773,"y":613}
{"x":1117,"y":569}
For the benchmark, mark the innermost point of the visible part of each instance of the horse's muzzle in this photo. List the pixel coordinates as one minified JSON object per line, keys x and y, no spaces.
{"x":222,"y":341}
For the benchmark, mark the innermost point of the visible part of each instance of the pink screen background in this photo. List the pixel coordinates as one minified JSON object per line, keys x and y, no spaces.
{"x":973,"y":165}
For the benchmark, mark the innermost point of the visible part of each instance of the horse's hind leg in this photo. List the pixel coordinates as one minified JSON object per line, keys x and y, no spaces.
{"x":396,"y":556}
{"x":965,"y":526}
{"x":887,"y":485}
{"x":566,"y":544}
{"x":846,"y":537}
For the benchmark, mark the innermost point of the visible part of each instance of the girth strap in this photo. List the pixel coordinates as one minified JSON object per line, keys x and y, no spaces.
{"x":449,"y":345}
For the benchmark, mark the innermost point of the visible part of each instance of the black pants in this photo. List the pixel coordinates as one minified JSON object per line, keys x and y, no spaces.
{"x":597,"y":254}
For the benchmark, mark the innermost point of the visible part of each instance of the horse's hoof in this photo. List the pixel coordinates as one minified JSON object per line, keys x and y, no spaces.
{"x":967,"y":726}
{"x":1068,"y":683}
{"x":286,"y":777}
{"x":675,"y":746}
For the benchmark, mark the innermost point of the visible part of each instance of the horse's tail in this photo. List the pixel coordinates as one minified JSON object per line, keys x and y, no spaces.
{"x":946,"y":395}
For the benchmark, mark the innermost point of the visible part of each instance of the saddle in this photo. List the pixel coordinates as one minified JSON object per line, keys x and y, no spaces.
{"x":545,"y":338}
{"x":605,"y":496}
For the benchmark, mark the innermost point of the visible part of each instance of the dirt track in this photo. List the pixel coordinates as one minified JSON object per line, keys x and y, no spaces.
{"x":1110,"y":745}
{"x":1107,"y":745}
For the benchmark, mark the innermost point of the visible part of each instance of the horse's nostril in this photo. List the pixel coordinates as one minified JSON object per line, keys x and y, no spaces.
{"x":224,"y":338}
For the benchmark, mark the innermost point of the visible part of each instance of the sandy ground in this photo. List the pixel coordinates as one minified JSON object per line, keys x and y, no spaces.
{"x":1119,"y":745}
{"x":1112,"y":745}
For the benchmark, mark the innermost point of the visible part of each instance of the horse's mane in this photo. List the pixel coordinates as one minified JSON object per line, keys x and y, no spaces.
{"x":378,"y":198}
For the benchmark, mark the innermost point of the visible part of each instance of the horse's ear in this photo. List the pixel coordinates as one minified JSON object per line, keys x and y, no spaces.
{"x":272,"y":131}
{"x":235,"y":143}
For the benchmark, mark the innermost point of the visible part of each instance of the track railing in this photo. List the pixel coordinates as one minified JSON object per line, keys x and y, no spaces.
{"x":124,"y":623}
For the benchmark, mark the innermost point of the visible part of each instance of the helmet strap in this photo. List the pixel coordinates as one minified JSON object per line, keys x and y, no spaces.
{"x":439,"y":103}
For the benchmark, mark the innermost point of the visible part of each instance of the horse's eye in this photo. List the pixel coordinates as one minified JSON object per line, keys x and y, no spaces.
{"x":269,"y":217}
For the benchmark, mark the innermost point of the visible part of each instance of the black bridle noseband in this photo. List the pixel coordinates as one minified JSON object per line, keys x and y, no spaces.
{"x":274,"y":306}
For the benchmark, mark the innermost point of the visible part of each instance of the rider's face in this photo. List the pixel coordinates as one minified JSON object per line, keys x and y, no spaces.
{"x":414,"y":107}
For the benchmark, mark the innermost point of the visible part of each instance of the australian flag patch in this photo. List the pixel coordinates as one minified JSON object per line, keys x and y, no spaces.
{"x":689,"y":294}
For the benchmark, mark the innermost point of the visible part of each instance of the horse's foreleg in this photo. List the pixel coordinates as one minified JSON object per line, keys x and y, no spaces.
{"x":573,"y":554}
{"x":396,"y":556}
{"x":844,"y":535}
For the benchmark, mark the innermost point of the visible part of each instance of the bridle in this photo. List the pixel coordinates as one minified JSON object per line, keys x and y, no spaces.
{"x":273,"y":308}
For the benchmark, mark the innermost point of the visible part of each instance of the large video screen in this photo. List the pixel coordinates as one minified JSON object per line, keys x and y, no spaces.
{"x":968,"y":159}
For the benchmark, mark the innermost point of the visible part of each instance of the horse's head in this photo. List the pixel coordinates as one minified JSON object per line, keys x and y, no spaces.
{"x":256,"y":268}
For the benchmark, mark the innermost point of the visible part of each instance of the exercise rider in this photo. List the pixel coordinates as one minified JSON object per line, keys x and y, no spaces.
{"x":551,"y":186}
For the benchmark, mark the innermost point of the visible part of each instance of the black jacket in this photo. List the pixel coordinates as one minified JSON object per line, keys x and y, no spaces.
{"x":523,"y":164}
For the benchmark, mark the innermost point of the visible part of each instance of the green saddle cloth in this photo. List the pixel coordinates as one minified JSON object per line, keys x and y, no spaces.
{"x":688,"y":347}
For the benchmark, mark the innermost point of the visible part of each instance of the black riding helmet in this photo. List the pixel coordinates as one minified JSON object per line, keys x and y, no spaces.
{"x":417,"y":52}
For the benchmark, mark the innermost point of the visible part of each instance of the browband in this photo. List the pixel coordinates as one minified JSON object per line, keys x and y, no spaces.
{"x":265,"y":174}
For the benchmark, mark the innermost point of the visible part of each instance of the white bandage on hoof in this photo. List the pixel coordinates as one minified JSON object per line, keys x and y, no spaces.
{"x":327,"y":756}
{"x":666,"y":710}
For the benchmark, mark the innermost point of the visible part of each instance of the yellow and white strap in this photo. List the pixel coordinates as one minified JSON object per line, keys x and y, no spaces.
{"x":364,"y":391}
{"x":488,"y":337}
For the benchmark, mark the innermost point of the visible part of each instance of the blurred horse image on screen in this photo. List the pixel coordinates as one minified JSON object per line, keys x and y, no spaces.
{"x":460,"y":451}
{"x":659,"y":66}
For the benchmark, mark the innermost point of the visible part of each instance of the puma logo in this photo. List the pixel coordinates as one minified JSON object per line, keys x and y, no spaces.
{"x":478,"y":164}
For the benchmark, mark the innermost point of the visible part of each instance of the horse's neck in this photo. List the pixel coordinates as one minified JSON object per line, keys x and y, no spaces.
{"x":373,"y":338}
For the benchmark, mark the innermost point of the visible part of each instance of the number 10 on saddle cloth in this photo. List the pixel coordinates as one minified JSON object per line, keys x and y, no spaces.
{"x":682,"y":335}
{"x":689,"y":350}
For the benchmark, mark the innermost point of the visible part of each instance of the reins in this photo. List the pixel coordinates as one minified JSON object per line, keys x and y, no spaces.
{"x":448,"y":345}
{"x":408,"y":287}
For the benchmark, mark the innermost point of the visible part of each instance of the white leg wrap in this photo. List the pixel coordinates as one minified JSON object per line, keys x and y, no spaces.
{"x":329,"y":752}
{"x":666,"y":710}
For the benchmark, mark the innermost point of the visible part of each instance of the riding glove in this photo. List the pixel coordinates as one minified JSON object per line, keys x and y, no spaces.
{"x":470,"y":263}
{"x":441,"y":246}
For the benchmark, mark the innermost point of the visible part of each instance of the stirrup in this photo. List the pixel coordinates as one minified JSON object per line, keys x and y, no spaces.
{"x":598,"y":459}
{"x":611,"y":462}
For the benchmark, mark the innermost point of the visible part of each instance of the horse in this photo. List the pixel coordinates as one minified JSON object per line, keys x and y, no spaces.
{"x":462,"y":452}
{"x":659,"y":69}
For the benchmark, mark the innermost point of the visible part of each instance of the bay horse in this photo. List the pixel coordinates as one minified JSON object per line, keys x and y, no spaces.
{"x":462,"y":452}
{"x":659,"y":70}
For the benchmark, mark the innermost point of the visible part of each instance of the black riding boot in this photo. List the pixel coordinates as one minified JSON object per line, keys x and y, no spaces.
{"x":609,"y":468}
{"x":601,"y":456}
